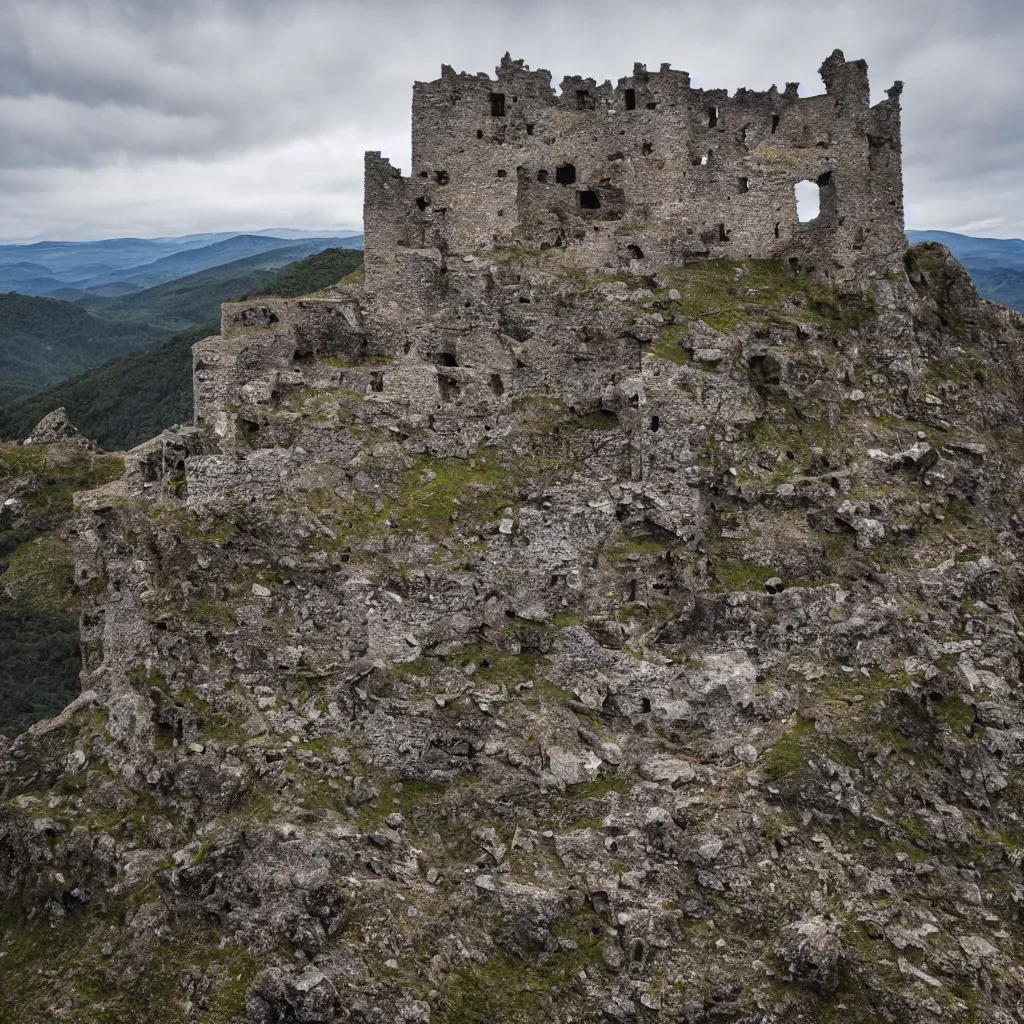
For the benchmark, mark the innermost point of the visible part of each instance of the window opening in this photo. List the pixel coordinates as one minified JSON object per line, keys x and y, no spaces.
{"x":497,"y":104}
{"x":723,"y":235}
{"x":713,"y":117}
{"x":776,"y":229}
{"x":589,"y":200}
{"x":566,"y":174}
{"x":775,"y":123}
{"x":647,"y":148}
{"x":635,"y":252}
{"x":542,"y":177}
{"x":497,"y":385}
{"x":446,"y":359}
{"x":645,"y":704}
{"x":652,"y":106}
{"x":529,"y":129}
{"x":655,"y":424}
{"x":422,"y":203}
{"x":808,"y":201}
{"x":479,"y":133}
{"x":744,"y":185}
{"x":631,"y":99}
{"x":584,"y":100}
{"x":376,"y":381}
{"x":442,"y":177}
{"x":502,"y":173}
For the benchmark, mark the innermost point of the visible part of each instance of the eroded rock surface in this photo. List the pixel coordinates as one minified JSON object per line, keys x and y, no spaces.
{"x":548,"y":645}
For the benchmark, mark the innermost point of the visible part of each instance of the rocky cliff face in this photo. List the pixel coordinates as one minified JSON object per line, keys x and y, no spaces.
{"x":557,"y":646}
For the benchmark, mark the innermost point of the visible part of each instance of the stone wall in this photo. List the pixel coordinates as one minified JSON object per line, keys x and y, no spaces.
{"x":648,"y":173}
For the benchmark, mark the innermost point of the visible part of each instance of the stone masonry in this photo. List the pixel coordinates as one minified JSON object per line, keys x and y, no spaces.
{"x":644,"y":174}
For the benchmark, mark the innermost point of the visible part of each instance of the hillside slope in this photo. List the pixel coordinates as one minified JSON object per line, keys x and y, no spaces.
{"x":550,"y":646}
{"x":43,"y":341}
{"x":133,"y":398}
{"x":996,"y":265}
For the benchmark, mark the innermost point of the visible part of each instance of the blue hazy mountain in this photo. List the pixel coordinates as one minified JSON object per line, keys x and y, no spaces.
{"x":996,"y":265}
{"x":121,"y":265}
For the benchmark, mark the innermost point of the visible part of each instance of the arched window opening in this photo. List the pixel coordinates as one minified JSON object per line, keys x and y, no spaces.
{"x":635,"y":252}
{"x":566,"y":174}
{"x":808,"y":201}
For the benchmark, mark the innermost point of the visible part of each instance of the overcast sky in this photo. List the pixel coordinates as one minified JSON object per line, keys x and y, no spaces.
{"x":160,"y":117}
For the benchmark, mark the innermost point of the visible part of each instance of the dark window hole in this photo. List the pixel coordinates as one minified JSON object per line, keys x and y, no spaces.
{"x":583,"y":100}
{"x":713,"y":117}
{"x":421,"y":203}
{"x":376,"y":381}
{"x":529,"y":129}
{"x":655,"y":424}
{"x":566,"y":174}
{"x":442,"y":177}
{"x":652,"y":106}
{"x":635,"y":252}
{"x":497,"y":104}
{"x":497,"y":385}
{"x":503,"y":173}
{"x":446,"y":359}
{"x":723,"y":235}
{"x":775,"y":123}
{"x":744,"y":185}
{"x":631,"y":99}
{"x":479,"y":133}
{"x":542,"y":177}
{"x":647,"y":148}
{"x":645,"y":704}
{"x":589,"y":200}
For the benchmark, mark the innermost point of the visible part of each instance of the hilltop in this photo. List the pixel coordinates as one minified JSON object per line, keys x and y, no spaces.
{"x":600,"y":608}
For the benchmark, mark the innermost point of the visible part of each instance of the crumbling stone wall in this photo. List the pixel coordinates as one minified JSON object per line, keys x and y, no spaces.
{"x":644,"y":174}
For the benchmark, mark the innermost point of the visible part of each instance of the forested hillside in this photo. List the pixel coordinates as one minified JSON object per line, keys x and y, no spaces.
{"x":133,"y":398}
{"x":43,"y":341}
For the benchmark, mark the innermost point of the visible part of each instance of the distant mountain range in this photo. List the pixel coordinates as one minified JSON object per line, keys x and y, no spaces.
{"x":117,"y":266}
{"x":47,"y":340}
{"x":996,"y":265}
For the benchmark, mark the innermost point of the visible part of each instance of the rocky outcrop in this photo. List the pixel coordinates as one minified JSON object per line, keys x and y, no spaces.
{"x":525,"y":660}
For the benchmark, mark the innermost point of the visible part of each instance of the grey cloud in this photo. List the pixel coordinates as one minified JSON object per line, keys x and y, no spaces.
{"x":127,"y":117}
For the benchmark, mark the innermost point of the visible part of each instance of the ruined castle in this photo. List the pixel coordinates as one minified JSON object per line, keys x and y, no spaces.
{"x":648,"y":173}
{"x":577,"y":620}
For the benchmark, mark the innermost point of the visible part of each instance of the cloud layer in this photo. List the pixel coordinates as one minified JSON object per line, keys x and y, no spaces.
{"x":143,"y":117}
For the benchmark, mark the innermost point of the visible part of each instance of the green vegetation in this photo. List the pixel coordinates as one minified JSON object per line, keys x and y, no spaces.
{"x":39,"y":661}
{"x":39,"y":665}
{"x":509,"y":989}
{"x":726,"y":293}
{"x":43,"y":341}
{"x":133,"y":398}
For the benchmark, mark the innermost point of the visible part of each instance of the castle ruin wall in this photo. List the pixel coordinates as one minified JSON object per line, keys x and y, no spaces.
{"x":647,"y":173}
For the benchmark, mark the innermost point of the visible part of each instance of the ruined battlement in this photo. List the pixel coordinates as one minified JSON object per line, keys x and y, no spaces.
{"x":647,"y":173}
